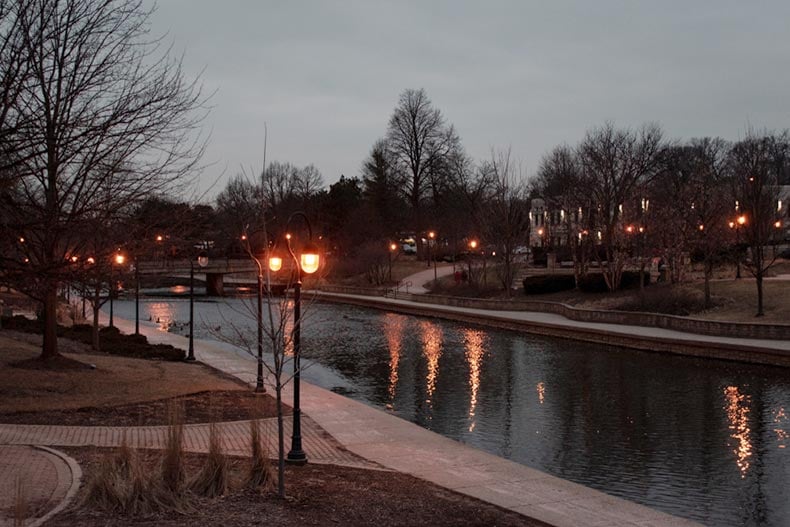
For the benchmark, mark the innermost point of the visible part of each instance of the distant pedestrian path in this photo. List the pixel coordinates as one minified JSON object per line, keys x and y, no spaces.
{"x":419,"y":280}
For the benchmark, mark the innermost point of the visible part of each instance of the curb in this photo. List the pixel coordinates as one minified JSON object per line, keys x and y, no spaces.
{"x":76,"y":477}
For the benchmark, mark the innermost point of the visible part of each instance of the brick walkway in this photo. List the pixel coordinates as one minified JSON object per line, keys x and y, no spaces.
{"x":44,"y":481}
{"x":322,"y":448}
{"x":50,"y":478}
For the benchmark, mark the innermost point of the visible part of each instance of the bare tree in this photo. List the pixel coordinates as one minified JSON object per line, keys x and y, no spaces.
{"x":615,"y":163}
{"x":559,"y":184}
{"x":691,"y":200}
{"x":115,"y":121}
{"x":757,"y":164}
{"x":278,"y":332}
{"x":308,"y":182}
{"x":421,"y":144}
{"x":505,"y":221}
{"x":14,"y":75}
{"x":380,"y":182}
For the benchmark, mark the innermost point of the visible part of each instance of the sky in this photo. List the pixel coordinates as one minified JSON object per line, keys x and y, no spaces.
{"x":325,"y":76}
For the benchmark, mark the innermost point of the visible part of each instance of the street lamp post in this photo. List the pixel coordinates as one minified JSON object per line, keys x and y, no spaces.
{"x":202,"y":260}
{"x":119,"y":259}
{"x":393,"y":248}
{"x":738,"y":224}
{"x":432,"y":253}
{"x":259,"y":388}
{"x":136,"y":298}
{"x":308,"y":263}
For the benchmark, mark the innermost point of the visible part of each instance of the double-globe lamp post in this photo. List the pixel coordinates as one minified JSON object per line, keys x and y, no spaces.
{"x":202,"y":261}
{"x":307,"y":263}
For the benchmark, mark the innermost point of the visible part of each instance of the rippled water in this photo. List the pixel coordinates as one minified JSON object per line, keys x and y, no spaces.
{"x":702,"y":439}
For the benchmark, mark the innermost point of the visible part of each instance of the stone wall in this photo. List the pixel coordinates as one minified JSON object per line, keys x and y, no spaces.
{"x":685,"y":324}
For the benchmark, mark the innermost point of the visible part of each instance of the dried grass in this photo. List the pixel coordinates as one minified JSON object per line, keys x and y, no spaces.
{"x":20,"y":503}
{"x":120,"y":484}
{"x":261,"y":474}
{"x":173,"y":472}
{"x":214,"y":477}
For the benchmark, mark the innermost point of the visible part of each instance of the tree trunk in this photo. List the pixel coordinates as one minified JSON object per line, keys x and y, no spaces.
{"x":642,"y":264}
{"x":50,"y":348}
{"x":95,"y":329}
{"x":708,"y":273}
{"x":280,"y":442}
{"x":759,"y":279}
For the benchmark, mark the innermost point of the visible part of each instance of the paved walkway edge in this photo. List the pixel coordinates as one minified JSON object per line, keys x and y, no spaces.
{"x":74,"y":486}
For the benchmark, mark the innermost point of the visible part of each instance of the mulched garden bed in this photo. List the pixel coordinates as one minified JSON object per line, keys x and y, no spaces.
{"x":204,"y":407}
{"x":317,"y":495}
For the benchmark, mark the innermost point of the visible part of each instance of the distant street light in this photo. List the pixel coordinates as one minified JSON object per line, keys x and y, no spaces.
{"x":737,"y":225}
{"x":308,"y":262}
{"x":393,"y":248}
{"x":202,"y":260}
{"x":432,"y":253}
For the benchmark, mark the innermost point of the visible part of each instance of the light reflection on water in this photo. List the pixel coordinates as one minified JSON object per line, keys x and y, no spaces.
{"x":475,"y":341}
{"x":696,"y":438}
{"x":738,"y":408}
{"x":432,"y":349}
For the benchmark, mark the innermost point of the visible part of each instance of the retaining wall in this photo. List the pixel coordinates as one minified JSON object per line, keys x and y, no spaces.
{"x":685,"y":324}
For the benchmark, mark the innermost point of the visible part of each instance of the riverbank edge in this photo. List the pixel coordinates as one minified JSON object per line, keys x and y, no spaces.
{"x":696,"y":345}
{"x":741,"y":330}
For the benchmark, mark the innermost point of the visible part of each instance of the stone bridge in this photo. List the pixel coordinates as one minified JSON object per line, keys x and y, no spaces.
{"x":215,"y":271}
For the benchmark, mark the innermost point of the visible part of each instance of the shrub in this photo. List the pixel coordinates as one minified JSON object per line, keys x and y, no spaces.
{"x":593,"y":283}
{"x":630,"y":279}
{"x":667,"y":301}
{"x":544,"y":284}
{"x":116,"y":343}
{"x":596,"y":283}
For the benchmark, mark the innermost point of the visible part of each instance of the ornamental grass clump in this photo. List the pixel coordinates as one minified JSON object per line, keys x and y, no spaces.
{"x":261,"y":474}
{"x":20,"y":503}
{"x":213,"y":479}
{"x":120,"y":484}
{"x":172,"y":470}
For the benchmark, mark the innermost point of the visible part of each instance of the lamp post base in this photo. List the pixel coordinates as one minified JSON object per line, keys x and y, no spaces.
{"x":189,"y":359}
{"x":296,"y":457}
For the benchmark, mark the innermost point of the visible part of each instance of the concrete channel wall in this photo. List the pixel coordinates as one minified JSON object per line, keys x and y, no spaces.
{"x":685,"y":324}
{"x":678,"y":342}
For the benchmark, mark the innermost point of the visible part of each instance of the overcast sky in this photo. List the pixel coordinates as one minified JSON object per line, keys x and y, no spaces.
{"x":325,"y":76}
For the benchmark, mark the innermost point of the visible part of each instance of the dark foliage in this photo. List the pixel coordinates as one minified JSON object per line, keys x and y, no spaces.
{"x":595,"y":282}
{"x":113,"y":341}
{"x":544,"y":284}
{"x":668,"y":301}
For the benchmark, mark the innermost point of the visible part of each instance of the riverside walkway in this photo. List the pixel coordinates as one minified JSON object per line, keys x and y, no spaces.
{"x":342,"y":431}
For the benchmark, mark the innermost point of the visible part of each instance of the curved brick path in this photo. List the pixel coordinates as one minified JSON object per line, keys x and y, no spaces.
{"x":50,"y":478}
{"x":322,"y":448}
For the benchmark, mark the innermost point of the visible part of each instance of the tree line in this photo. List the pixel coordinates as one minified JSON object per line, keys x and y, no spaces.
{"x":99,"y":136}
